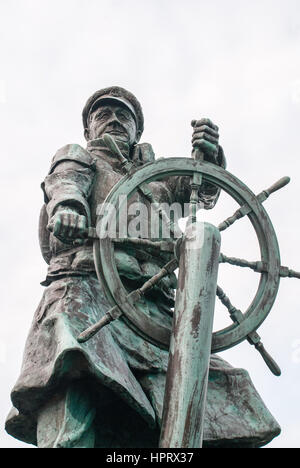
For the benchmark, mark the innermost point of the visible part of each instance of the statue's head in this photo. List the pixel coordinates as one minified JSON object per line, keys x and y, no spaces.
{"x":115,"y":111}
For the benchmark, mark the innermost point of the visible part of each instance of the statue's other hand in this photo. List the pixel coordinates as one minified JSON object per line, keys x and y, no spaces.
{"x":206,"y":138}
{"x":68,"y":225}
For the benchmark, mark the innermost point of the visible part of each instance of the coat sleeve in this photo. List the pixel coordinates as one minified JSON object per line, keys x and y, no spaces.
{"x":69,"y":181}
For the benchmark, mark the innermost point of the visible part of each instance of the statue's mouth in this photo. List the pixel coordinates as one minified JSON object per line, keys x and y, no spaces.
{"x":116,"y":132}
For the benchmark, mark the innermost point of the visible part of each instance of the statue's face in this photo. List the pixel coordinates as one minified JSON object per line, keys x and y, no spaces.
{"x":115,"y":119}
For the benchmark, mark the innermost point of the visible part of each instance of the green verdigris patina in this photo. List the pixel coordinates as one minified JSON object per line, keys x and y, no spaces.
{"x":109,"y":391}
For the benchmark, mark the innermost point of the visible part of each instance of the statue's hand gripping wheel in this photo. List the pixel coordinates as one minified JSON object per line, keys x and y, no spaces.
{"x":245,"y":324}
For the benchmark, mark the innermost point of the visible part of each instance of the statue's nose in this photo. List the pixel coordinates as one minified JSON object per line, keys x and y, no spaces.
{"x":113,"y":119}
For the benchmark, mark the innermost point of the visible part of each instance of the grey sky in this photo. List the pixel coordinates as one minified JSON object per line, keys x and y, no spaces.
{"x":237,"y":62}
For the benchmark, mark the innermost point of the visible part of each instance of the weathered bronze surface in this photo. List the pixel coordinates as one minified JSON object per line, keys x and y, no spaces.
{"x":187,"y":376}
{"x":96,"y":359}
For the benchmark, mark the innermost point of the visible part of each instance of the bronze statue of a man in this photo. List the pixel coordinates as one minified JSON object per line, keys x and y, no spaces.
{"x":108,"y":392}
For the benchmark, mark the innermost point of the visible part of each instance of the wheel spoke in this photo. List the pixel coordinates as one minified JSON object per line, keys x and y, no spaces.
{"x":253,"y":338}
{"x":235,"y":314}
{"x":111,"y":315}
{"x":246,"y":209}
{"x":164,"y":246}
{"x":134,"y":296}
{"x":258,"y":267}
{"x":165,"y":271}
{"x":195,"y":183}
{"x":285,"y":272}
{"x":174,"y":230}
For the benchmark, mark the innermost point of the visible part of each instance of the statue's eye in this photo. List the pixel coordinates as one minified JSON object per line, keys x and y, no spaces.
{"x":102,"y":115}
{"x":124,"y":115}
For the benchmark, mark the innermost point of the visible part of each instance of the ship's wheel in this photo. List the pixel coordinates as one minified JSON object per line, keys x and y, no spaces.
{"x":269,"y":267}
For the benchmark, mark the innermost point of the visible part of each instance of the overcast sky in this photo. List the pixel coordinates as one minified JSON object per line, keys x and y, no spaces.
{"x":236,"y":62}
